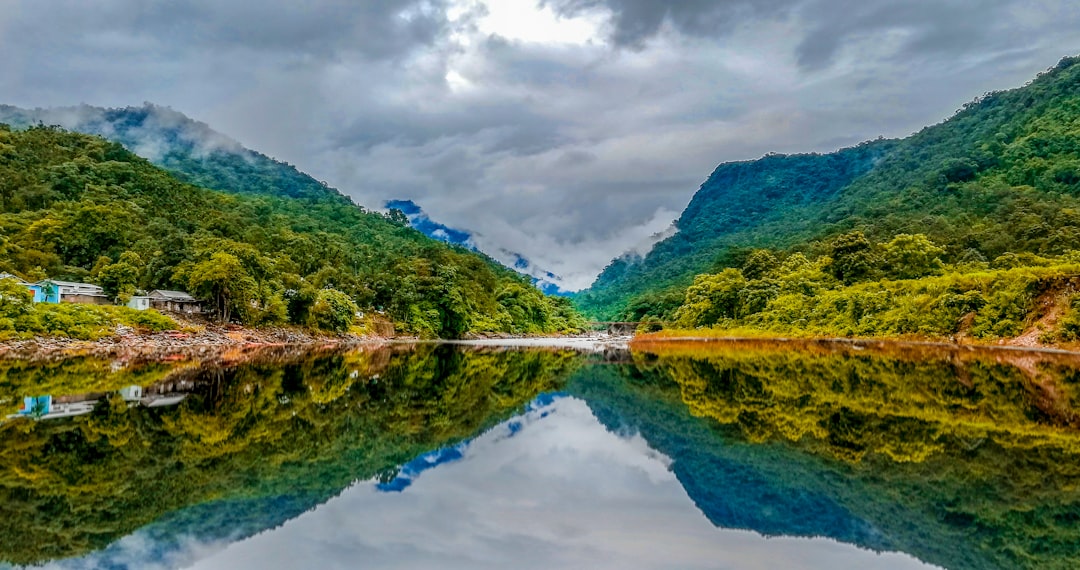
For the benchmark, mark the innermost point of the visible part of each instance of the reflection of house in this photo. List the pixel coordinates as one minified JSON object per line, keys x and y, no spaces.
{"x":70,"y":292}
{"x":48,"y":407}
{"x":174,"y":301}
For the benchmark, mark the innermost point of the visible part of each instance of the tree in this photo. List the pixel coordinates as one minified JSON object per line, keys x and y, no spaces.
{"x":223,"y":279}
{"x":760,"y":263}
{"x":15,"y":299}
{"x":852,"y":256}
{"x":333,"y":310}
{"x":120,"y":279}
{"x":910,"y":256}
{"x":712,"y":298}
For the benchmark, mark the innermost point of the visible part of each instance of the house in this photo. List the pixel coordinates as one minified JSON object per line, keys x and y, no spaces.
{"x":34,"y":288}
{"x":139,"y":302}
{"x":54,"y":291}
{"x":174,"y":301}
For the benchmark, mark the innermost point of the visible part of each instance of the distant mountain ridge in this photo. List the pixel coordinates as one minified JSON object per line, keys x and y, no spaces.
{"x":546,"y":281}
{"x":191,"y":150}
{"x":999,"y":176}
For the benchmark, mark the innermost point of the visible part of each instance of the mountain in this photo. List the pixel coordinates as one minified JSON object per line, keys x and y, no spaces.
{"x":546,"y":281}
{"x":80,"y":207}
{"x":1001,"y":176}
{"x":189,"y":149}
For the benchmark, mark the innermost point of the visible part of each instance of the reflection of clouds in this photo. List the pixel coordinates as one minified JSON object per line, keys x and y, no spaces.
{"x":561,"y":492}
{"x":142,"y":552}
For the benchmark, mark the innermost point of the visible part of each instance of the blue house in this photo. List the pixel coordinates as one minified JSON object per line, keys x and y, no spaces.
{"x":35,"y":288}
{"x":54,"y":291}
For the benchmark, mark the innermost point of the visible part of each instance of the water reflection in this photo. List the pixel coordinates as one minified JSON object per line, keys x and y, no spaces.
{"x":451,"y":457}
{"x":292,"y":431}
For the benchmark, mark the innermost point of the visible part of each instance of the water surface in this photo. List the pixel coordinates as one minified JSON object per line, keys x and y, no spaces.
{"x":751,"y":455}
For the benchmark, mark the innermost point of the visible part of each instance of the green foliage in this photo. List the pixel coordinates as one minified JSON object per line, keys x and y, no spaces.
{"x":85,"y":322}
{"x":852,"y":257}
{"x":304,"y":427}
{"x":71,"y":203}
{"x":965,"y":460}
{"x":120,"y":279}
{"x":799,"y":298}
{"x":999,"y":178}
{"x":333,"y":310}
{"x":910,"y":256}
{"x":712,"y":299}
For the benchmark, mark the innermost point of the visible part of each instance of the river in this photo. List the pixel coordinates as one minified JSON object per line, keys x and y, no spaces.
{"x":748,"y":455}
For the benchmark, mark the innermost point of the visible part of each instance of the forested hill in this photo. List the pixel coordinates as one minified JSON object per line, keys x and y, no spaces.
{"x":189,"y":149}
{"x":1001,"y":176}
{"x":75,"y":206}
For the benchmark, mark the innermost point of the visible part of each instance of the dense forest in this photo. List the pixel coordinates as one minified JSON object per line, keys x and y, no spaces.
{"x":78,"y":207}
{"x":964,"y":460}
{"x":942,"y":221}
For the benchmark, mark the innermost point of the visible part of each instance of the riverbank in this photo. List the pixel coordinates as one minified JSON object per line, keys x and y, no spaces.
{"x":702,"y":339}
{"x":129,"y":343}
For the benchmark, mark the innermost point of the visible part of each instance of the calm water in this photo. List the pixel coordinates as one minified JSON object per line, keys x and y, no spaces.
{"x":748,"y":456}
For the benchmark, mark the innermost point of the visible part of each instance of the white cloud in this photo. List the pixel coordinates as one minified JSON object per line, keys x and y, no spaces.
{"x":562,"y":492}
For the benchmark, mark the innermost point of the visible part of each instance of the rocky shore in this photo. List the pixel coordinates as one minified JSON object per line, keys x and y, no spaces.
{"x":128,"y":343}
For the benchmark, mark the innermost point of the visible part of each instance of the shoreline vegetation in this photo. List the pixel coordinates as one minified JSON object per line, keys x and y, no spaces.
{"x":79,"y":208}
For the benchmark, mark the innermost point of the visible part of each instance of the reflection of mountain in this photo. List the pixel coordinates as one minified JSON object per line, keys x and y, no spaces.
{"x":547,"y":281}
{"x":250,"y":448}
{"x":729,"y":490}
{"x":962,"y":461}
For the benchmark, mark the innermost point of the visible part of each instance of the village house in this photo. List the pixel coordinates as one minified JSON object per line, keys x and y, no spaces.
{"x":34,"y":288}
{"x":174,"y":301}
{"x":54,"y":291}
{"x":139,"y":302}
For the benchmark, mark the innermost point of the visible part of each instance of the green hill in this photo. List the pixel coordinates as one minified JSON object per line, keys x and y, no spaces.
{"x":1001,"y":176}
{"x":74,"y":206}
{"x":190,"y":150}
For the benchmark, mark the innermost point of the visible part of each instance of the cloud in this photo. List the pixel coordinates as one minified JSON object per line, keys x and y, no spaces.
{"x":552,"y":488}
{"x":563,"y":143}
{"x":635,"y":21}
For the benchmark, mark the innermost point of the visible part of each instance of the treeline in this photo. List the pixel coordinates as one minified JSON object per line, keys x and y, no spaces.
{"x":901,"y":287}
{"x":1000,"y":177}
{"x":80,"y":208}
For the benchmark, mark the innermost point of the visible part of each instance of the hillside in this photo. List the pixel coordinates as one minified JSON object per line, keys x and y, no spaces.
{"x":190,"y":150}
{"x":1001,"y":176}
{"x":74,"y":206}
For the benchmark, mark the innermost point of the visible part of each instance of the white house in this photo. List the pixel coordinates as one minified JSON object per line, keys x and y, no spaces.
{"x":174,"y":301}
{"x":139,"y":302}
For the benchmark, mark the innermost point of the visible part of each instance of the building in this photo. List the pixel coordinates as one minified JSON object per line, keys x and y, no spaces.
{"x":34,"y":288}
{"x":139,"y":302}
{"x":54,"y":291}
{"x":174,"y":301}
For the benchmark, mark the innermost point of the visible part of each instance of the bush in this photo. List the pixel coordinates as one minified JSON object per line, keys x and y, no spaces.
{"x":333,"y":311}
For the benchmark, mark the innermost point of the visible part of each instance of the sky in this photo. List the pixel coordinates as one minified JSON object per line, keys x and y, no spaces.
{"x":558,"y":490}
{"x":569,"y":131}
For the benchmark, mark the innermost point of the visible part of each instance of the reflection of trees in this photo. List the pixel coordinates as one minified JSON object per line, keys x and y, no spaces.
{"x":849,"y":403}
{"x":967,"y":460}
{"x":305,"y":428}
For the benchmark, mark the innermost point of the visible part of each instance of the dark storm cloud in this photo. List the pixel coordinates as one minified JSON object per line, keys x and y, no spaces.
{"x":635,"y":21}
{"x":947,"y":27}
{"x":321,"y":28}
{"x":569,"y":149}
